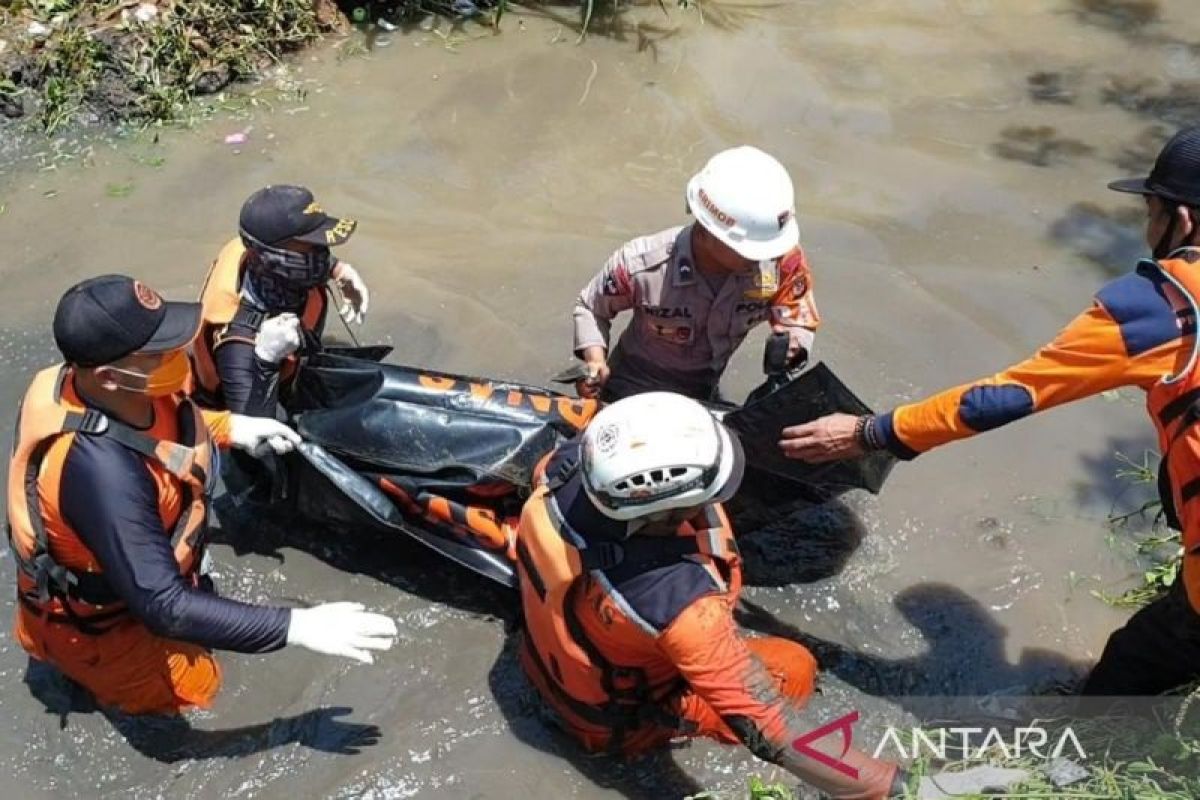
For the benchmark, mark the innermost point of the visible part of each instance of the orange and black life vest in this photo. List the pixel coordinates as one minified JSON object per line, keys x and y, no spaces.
{"x":63,"y":591}
{"x":553,"y":562}
{"x":222,"y":304}
{"x":1174,"y":406}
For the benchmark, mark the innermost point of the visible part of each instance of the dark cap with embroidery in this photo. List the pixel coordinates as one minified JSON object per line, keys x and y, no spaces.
{"x":104,"y":319}
{"x":1176,"y":173}
{"x":277,"y":214}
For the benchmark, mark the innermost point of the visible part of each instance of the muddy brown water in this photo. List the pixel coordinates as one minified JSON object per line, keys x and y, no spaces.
{"x":950,"y":160}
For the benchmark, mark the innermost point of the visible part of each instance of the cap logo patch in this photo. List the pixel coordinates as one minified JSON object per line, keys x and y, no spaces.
{"x":146,"y":296}
{"x":784,"y":218}
{"x":314,"y":208}
{"x":725,"y":219}
{"x":340,"y":231}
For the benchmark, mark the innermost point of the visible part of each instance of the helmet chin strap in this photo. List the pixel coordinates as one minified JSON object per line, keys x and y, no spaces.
{"x":1163,"y":248}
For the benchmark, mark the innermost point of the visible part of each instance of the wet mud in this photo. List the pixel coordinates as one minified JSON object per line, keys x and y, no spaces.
{"x":950,"y":158}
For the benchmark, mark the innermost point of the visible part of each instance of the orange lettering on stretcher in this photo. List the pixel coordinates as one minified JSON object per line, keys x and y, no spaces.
{"x":482,"y":391}
{"x":436,"y":382}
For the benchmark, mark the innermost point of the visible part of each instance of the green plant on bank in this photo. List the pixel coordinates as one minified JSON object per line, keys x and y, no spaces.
{"x":1165,"y":547}
{"x":151,"y":71}
{"x":73,"y":62}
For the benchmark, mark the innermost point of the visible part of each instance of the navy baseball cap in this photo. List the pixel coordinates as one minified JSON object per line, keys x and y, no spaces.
{"x":104,"y":319}
{"x":277,"y":214}
{"x":1176,"y":173}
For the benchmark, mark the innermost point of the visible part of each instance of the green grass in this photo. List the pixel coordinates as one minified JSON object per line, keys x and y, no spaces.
{"x":1162,"y":549}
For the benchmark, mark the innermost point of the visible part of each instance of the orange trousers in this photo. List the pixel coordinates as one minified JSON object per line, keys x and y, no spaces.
{"x":126,"y":667}
{"x":790,"y":664}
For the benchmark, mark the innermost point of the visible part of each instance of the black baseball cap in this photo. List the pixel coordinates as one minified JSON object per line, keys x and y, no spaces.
{"x":1176,"y":173}
{"x":104,"y":319}
{"x":277,"y":214}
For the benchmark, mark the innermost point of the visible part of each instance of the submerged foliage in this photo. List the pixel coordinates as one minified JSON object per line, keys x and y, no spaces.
{"x":1162,"y":550}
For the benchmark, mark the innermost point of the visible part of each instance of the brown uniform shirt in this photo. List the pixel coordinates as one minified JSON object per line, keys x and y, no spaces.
{"x":683,"y":334}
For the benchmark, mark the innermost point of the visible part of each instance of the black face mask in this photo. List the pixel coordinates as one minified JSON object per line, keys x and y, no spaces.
{"x":274,"y":293}
{"x":303,"y":270}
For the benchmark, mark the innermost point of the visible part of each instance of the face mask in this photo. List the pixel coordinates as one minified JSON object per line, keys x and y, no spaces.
{"x":299,"y":269}
{"x":169,"y":377}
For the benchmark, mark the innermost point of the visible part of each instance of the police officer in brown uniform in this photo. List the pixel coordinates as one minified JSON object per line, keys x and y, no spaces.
{"x":697,"y":290}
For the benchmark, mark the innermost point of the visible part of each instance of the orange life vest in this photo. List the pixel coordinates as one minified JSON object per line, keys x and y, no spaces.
{"x":1174,"y":406}
{"x":222,"y":303}
{"x":57,"y":576}
{"x":554,"y":560}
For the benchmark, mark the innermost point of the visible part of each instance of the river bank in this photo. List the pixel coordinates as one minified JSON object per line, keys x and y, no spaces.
{"x":65,"y":62}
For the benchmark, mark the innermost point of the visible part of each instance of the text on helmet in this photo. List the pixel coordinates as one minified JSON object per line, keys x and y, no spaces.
{"x":712,"y":208}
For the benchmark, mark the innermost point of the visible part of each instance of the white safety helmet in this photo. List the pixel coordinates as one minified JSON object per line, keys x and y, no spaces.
{"x":657,"y":452}
{"x":745,"y":198}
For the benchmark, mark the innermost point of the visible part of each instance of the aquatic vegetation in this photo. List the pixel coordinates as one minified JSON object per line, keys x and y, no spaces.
{"x":1040,"y":146}
{"x":1163,"y":548}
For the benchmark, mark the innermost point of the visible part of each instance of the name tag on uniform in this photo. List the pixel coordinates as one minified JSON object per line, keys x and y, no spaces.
{"x":676,"y":334}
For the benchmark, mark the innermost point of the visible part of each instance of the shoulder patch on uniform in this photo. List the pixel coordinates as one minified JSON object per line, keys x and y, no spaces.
{"x":652,"y":259}
{"x":1138,"y":304}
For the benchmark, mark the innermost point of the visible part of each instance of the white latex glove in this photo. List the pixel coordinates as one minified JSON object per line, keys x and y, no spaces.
{"x":341,"y":629}
{"x":261,"y":435}
{"x":354,"y":292}
{"x":975,"y":780}
{"x":278,"y":338}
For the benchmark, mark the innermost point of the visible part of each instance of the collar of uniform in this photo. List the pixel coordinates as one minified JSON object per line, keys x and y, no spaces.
{"x":581,"y":514}
{"x":683,"y":265}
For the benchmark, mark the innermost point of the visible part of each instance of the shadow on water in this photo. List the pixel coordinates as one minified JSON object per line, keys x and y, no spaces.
{"x":650,"y":777}
{"x":964,"y":652}
{"x":1110,"y":239}
{"x":171,"y":739}
{"x":1123,"y":473}
{"x":810,"y":543}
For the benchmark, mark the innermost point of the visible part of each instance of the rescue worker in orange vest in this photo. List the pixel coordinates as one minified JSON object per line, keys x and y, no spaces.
{"x":265,"y":298}
{"x":1140,"y":331}
{"x":108,"y":492}
{"x":628,"y":577}
{"x":696,"y":291}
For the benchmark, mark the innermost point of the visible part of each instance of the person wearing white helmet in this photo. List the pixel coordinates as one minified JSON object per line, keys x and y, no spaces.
{"x":696,"y":291}
{"x":629,"y":575}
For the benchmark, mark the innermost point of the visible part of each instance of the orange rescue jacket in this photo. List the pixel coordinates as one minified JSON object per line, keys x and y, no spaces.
{"x":1174,"y":406}
{"x":558,"y":566}
{"x":57,"y":575}
{"x":221,"y":304}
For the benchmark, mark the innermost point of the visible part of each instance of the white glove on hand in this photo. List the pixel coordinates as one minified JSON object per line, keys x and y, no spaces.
{"x":261,"y":435}
{"x":278,"y":338}
{"x":354,"y":293}
{"x":973,"y":781}
{"x":341,"y":629}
